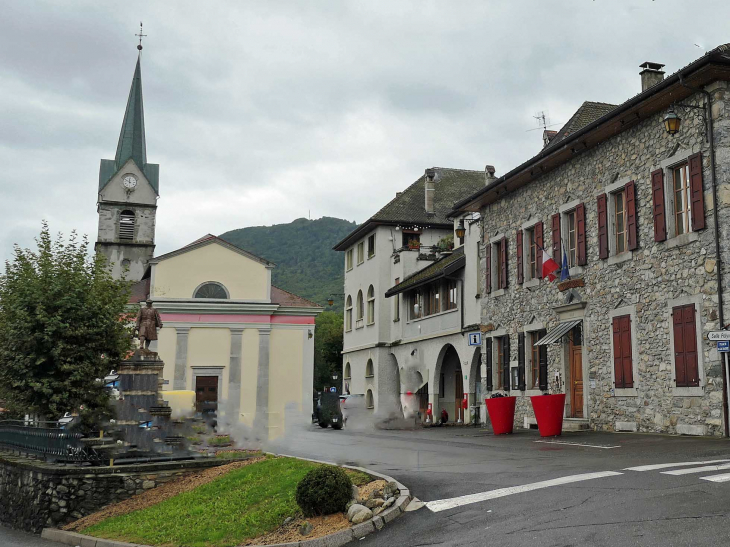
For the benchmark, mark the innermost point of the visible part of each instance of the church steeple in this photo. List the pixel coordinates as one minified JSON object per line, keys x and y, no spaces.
{"x":128,"y":193}
{"x":132,"y":137}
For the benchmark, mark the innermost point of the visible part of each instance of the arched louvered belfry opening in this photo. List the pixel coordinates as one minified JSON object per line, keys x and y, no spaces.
{"x":126,"y":225}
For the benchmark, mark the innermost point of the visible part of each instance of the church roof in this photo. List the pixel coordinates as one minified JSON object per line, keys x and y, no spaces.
{"x":132,"y":143}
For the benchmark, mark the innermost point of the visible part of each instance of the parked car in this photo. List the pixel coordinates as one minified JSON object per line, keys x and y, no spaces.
{"x":327,"y":411}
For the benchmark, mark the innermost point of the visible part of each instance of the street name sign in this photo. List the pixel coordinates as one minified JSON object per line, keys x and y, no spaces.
{"x":716,"y":335}
{"x":723,"y":346}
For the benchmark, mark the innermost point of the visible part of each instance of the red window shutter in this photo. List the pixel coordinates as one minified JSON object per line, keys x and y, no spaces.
{"x":540,"y":244}
{"x":657,"y":196}
{"x":618,"y":369}
{"x":520,"y":264}
{"x":627,"y":365}
{"x":631,"y":220}
{"x":503,"y":250}
{"x":602,"y":227}
{"x":581,"y":257}
{"x":487,"y":267}
{"x":680,"y":367}
{"x":690,"y":345}
{"x":556,"y":238}
{"x":696,"y":192}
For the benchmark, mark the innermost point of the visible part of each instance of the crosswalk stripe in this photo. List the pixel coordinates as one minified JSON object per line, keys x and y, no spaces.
{"x":697,"y":469}
{"x":443,"y":505}
{"x":717,"y":478}
{"x":656,"y":466}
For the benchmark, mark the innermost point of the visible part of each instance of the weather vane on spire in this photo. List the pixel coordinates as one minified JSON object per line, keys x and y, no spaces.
{"x":139,"y":47}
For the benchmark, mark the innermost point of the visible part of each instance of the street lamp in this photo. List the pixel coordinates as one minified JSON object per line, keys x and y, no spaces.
{"x":331,"y":299}
{"x":672,"y":122}
{"x":460,"y":230}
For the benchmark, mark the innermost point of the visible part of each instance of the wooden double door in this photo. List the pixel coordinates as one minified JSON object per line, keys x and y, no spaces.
{"x":206,"y":393}
{"x":575,"y":362}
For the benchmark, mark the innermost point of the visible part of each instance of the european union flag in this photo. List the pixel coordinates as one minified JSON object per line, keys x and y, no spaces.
{"x":564,"y":268}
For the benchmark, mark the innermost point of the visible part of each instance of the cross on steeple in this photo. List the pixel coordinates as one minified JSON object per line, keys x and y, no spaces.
{"x":139,"y":47}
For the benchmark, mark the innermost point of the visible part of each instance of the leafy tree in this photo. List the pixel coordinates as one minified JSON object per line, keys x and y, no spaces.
{"x":327,"y":348}
{"x":62,"y":326}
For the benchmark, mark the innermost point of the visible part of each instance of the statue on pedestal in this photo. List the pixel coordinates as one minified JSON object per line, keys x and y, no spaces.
{"x":148,"y":321}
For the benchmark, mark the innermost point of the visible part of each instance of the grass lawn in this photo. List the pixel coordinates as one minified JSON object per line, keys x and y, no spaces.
{"x":243,"y":504}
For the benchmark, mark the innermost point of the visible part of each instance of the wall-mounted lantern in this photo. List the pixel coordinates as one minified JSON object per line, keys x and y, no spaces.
{"x":672,"y":122}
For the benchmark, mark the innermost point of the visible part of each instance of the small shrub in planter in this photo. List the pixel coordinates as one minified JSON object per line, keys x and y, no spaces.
{"x":323,"y":491}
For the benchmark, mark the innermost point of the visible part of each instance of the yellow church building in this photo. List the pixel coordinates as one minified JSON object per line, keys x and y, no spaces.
{"x":240,"y":343}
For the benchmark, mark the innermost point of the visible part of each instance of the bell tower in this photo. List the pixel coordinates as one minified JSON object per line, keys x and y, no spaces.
{"x":128,"y":193}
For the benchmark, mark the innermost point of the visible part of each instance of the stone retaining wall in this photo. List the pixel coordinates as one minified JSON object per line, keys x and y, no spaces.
{"x":34,"y":495}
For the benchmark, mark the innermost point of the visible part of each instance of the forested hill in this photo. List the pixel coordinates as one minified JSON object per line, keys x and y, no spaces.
{"x":302,"y":251}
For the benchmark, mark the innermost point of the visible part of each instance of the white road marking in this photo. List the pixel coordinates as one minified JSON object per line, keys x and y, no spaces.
{"x":656,"y":466}
{"x":697,"y":469}
{"x":443,"y":505}
{"x":717,"y":478}
{"x":577,"y":444}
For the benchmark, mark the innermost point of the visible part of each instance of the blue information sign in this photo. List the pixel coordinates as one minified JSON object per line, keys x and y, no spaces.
{"x":475,"y":338}
{"x":333,"y":390}
{"x":723,"y":346}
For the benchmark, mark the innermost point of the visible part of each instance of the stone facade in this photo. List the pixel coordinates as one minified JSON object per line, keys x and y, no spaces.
{"x":645,"y":283}
{"x":34,"y":495}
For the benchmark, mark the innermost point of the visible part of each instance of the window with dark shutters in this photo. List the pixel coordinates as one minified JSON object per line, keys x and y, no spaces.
{"x":543,"y":368}
{"x":556,"y":238}
{"x":521,"y":383}
{"x":487,"y":268}
{"x":580,"y":219}
{"x":602,"y":226}
{"x":488,"y":362}
{"x":503,"y":265}
{"x":540,"y":240}
{"x":657,"y":196}
{"x":685,"y":346}
{"x":696,"y":193}
{"x":631,"y":219}
{"x":505,"y":363}
{"x":622,"y":358}
{"x":520,"y":264}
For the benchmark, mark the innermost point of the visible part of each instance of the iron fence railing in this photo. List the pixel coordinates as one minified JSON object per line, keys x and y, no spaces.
{"x":46,"y":440}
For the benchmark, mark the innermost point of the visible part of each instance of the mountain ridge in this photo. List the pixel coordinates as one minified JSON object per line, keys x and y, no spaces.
{"x":306,"y":265}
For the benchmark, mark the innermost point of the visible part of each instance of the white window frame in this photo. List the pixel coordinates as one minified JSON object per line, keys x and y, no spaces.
{"x":626,"y":391}
{"x":530,"y":331}
{"x":348,"y":313}
{"x":667,"y":166}
{"x":610,"y":190}
{"x":495,"y":243}
{"x":360,"y":253}
{"x":371,"y":236}
{"x":527,"y":227}
{"x":370,"y":313}
{"x":349,"y":259}
{"x":564,"y":210}
{"x":695,"y":391}
{"x":359,"y":310}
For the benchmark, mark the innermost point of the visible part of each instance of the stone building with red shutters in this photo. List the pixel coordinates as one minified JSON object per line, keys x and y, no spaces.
{"x":641,"y":217}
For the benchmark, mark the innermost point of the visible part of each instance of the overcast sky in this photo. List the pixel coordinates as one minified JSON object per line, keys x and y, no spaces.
{"x":260,"y":112}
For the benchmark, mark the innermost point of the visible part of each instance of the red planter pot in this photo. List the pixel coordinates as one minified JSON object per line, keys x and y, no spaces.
{"x":502,"y":413}
{"x":549,"y":413}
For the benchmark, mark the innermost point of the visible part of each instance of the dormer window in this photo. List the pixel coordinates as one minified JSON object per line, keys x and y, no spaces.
{"x":126,"y":225}
{"x":211,"y":289}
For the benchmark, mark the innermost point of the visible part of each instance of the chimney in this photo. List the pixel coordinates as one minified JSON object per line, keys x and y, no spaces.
{"x":430,"y":187}
{"x":489,"y":174}
{"x":398,"y":194}
{"x":651,"y":75}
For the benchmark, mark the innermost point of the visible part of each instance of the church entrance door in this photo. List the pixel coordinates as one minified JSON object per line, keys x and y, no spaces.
{"x":206,"y":394}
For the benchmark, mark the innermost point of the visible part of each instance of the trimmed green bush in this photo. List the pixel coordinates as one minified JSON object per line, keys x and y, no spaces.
{"x":323,"y":491}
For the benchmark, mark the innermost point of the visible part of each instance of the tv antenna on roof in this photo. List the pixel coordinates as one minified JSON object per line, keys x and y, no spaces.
{"x":543,"y":121}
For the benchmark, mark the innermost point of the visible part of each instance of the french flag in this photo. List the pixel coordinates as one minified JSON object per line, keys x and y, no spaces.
{"x":549,"y":267}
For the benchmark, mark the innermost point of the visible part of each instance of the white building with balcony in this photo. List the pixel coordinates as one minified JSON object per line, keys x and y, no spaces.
{"x":411,"y":299}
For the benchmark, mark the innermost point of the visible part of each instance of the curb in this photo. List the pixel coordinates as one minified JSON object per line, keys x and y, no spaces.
{"x":337,"y":539}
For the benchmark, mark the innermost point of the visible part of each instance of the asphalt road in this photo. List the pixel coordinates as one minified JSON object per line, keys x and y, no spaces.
{"x":629,"y":508}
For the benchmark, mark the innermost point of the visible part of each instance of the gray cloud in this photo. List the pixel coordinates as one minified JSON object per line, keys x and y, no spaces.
{"x":259,"y":112}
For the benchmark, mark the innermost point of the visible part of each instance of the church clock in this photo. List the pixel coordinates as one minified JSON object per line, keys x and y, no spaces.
{"x":129,"y":182}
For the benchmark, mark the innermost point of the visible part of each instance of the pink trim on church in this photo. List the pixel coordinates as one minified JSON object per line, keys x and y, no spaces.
{"x":219,"y":318}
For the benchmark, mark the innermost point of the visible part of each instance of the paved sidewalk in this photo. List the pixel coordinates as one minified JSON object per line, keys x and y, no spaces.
{"x":14,"y":538}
